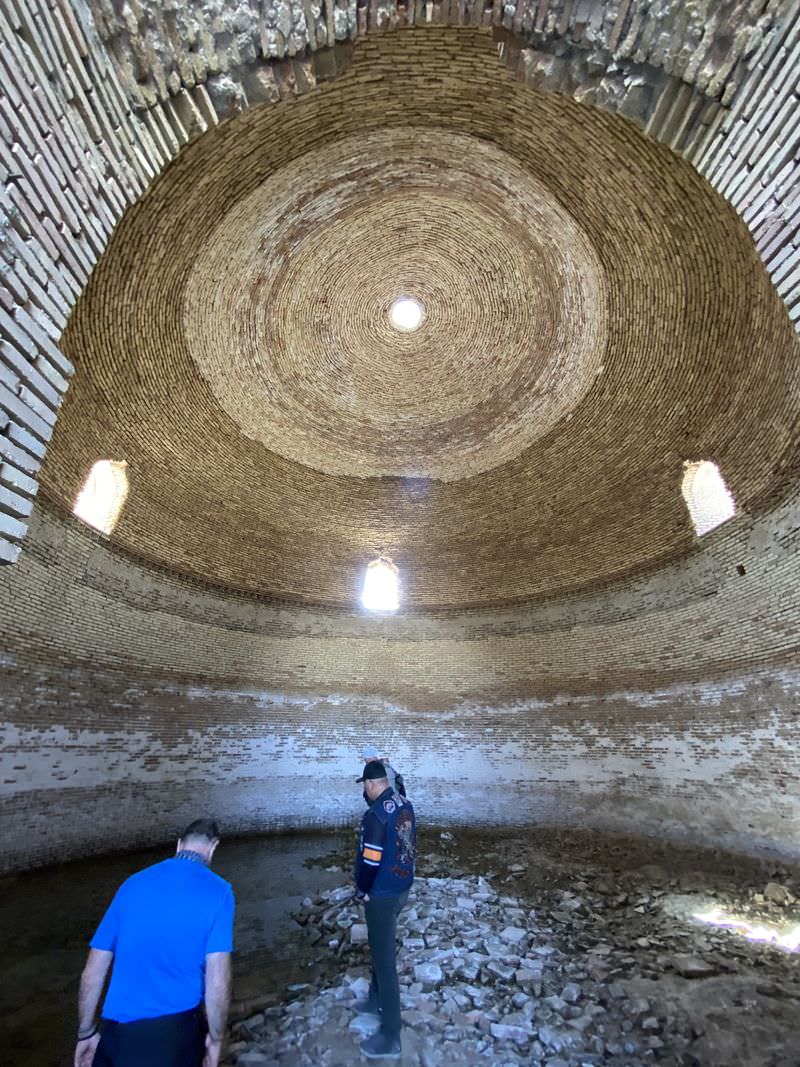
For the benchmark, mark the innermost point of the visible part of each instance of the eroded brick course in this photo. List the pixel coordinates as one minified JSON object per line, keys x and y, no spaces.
{"x":132,"y":699}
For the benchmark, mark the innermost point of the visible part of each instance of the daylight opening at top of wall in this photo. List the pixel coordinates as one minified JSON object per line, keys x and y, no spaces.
{"x":103,"y":496}
{"x":707,"y":497}
{"x":381,"y":588}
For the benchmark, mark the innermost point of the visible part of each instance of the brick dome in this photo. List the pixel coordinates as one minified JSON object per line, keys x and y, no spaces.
{"x":289,"y":322}
{"x":594,"y":315}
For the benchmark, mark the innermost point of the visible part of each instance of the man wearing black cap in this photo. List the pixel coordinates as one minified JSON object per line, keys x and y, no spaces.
{"x":384,"y":873}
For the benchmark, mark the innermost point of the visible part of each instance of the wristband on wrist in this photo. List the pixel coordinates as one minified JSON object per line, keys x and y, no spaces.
{"x":85,"y":1037}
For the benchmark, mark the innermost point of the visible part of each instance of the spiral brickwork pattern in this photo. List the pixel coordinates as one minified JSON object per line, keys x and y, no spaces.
{"x":595,"y":315}
{"x":288,"y":314}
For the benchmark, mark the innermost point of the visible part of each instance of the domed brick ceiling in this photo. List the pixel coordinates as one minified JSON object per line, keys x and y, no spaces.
{"x":593,"y":314}
{"x":292,"y":329}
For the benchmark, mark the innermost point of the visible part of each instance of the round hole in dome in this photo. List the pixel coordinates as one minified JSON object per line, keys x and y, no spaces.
{"x":406,"y":313}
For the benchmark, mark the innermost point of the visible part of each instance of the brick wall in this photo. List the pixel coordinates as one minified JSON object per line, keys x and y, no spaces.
{"x":92,"y":108}
{"x":133,"y":699}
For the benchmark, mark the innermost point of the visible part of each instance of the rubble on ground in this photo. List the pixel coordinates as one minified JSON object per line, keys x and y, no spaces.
{"x":607,"y":970}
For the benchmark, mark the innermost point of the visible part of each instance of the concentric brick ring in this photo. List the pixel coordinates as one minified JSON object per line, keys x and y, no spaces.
{"x":636,"y":262}
{"x":287,"y":317}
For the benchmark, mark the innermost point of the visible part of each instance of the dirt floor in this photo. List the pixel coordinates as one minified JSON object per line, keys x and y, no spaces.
{"x":611,"y":964}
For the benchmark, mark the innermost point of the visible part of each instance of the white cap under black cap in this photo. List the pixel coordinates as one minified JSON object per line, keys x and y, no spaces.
{"x":370,"y":752}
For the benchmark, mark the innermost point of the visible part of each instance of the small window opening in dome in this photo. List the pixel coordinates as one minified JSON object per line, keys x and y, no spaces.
{"x":381,"y":591}
{"x":103,"y":495}
{"x":406,"y":313}
{"x":707,"y":496}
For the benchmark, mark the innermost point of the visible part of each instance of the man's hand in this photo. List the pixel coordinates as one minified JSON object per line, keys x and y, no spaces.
{"x":218,"y":996}
{"x":213,"y":1052}
{"x":85,"y":1050}
{"x":93,"y":979}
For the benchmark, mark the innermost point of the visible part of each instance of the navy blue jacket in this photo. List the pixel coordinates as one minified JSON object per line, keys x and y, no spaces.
{"x":387,"y":847}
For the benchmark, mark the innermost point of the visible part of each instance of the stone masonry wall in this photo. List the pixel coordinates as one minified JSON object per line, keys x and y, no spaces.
{"x":134,"y":700}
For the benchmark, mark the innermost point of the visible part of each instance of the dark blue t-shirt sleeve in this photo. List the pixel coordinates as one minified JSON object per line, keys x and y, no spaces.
{"x":105,"y":937}
{"x":220,"y":936}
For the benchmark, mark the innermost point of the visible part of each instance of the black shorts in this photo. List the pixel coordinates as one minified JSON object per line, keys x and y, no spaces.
{"x":168,"y":1041}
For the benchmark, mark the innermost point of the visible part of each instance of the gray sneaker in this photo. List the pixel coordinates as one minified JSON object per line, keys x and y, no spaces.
{"x":381,"y":1047}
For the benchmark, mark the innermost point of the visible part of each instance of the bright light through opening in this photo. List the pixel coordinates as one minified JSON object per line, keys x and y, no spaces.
{"x":381,"y":590}
{"x":103,"y":495}
{"x":788,"y":940}
{"x":405,"y":313}
{"x":707,"y":496}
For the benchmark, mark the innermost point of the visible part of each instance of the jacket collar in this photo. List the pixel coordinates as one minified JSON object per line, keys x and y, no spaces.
{"x":387,"y":794}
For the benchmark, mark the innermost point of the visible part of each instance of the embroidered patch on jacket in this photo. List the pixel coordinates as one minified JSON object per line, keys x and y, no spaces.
{"x":406,"y":845}
{"x":388,"y":806}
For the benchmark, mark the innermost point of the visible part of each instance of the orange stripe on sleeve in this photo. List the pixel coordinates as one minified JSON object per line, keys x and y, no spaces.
{"x":371,"y":854}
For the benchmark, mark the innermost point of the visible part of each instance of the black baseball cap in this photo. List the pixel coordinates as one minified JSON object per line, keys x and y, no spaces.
{"x":374,"y":769}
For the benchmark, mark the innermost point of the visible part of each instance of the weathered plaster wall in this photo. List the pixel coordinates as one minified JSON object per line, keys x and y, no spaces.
{"x":132,"y":700}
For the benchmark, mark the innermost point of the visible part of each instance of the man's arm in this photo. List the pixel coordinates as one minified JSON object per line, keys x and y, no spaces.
{"x":92,"y":981}
{"x":218,"y":998}
{"x":370,"y":854}
{"x":91,"y":989}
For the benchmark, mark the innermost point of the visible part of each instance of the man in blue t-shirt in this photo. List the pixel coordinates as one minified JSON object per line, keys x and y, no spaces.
{"x":169,"y":935}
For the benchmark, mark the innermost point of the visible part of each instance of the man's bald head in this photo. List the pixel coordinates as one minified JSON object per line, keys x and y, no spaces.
{"x":375,"y":786}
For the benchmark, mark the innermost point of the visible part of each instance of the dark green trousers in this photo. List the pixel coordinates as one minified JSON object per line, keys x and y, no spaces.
{"x":384,"y":993}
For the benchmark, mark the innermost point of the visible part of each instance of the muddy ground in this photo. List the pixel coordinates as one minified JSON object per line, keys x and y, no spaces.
{"x":611,"y":964}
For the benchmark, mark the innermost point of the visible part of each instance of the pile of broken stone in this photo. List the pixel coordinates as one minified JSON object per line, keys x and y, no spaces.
{"x":486,"y":979}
